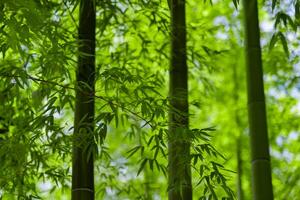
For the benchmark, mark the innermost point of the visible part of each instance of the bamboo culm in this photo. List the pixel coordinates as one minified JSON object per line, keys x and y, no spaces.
{"x":179,"y":171}
{"x":82,"y":159}
{"x":260,"y":156}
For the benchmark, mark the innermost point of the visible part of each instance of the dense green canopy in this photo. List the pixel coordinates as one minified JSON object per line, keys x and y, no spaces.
{"x":40,"y":51}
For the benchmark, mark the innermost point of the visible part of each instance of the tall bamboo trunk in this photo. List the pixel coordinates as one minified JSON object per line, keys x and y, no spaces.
{"x":83,"y":164}
{"x":179,"y":171}
{"x":261,"y":167}
{"x":236,"y":89}
{"x":240,"y":191}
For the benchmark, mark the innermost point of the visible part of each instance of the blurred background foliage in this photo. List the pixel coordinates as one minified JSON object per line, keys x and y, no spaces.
{"x":38,"y":49}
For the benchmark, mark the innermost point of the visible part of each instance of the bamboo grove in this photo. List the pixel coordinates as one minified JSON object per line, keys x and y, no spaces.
{"x":149,"y":99}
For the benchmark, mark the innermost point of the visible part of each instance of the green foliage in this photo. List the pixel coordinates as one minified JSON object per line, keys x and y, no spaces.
{"x":38,"y":47}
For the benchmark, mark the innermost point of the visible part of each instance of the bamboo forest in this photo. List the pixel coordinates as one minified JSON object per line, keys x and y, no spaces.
{"x":149,"y":99}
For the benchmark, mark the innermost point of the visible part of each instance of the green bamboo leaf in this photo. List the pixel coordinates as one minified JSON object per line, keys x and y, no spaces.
{"x":195,"y":159}
{"x":297,"y":11}
{"x":273,"y":41}
{"x":236,"y":3}
{"x":151,"y":164}
{"x":103,"y":133}
{"x":284,"y":43}
{"x":157,"y":165}
{"x":273,"y":4}
{"x":132,"y":151}
{"x":201,"y":170}
{"x":156,"y":151}
{"x":142,"y":166}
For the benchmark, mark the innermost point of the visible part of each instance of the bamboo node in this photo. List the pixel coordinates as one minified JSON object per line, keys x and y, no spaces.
{"x":83,"y":189}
